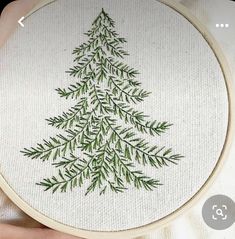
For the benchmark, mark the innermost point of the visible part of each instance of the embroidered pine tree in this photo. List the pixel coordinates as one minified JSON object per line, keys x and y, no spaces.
{"x":102,"y":143}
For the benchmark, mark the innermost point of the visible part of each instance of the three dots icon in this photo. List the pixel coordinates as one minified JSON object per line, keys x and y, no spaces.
{"x":222,"y":25}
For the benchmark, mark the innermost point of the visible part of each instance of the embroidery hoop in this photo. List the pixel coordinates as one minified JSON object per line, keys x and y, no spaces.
{"x":145,"y":229}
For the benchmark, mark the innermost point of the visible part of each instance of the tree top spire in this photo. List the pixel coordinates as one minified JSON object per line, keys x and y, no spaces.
{"x":104,"y":19}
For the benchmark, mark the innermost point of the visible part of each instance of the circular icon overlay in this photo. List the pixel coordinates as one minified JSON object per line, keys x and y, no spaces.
{"x":218,"y":212}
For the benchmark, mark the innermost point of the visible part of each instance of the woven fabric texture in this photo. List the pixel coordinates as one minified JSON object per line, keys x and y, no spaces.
{"x":176,"y":65}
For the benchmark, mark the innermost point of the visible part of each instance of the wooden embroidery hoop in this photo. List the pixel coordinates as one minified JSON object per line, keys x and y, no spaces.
{"x":131,"y":233}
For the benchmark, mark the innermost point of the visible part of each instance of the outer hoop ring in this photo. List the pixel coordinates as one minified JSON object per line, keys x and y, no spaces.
{"x":130,"y":233}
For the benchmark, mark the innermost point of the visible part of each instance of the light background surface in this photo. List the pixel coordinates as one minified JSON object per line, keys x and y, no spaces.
{"x":137,"y":61}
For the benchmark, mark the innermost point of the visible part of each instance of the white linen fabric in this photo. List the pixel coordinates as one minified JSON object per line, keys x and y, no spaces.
{"x":194,"y":75}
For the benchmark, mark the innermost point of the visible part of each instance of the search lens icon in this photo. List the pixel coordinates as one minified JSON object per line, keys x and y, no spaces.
{"x":219,"y":212}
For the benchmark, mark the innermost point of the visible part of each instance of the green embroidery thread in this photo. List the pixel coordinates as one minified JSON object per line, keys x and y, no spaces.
{"x":102,"y":127}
